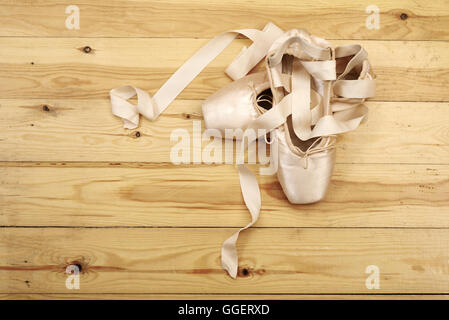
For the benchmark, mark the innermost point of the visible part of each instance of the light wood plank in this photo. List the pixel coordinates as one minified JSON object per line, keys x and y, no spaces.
{"x":167,"y":195}
{"x":188,"y":260}
{"x":59,"y":68}
{"x":331,"y":19}
{"x":80,"y":130}
{"x":75,"y":187}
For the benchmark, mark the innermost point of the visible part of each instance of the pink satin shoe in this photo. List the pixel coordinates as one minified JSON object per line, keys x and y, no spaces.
{"x":307,"y":155}
{"x":305,"y":167}
{"x":306,"y":158}
{"x":235,"y":106}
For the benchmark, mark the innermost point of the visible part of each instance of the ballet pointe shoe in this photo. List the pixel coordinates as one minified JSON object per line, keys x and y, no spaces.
{"x":235,"y":105}
{"x":305,"y":158}
{"x":305,"y":168}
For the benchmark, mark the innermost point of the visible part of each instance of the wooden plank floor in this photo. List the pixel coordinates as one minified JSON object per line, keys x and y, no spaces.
{"x":77,"y":188}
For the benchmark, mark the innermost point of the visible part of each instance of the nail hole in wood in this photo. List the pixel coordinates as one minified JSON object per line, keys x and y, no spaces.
{"x":245,"y":272}
{"x":137,"y":134}
{"x":404,"y":16}
{"x":87,"y":49}
{"x":80,"y":268}
{"x":45,"y":108}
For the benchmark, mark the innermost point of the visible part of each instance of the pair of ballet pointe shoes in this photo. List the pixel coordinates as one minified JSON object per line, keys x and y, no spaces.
{"x":318,"y":91}
{"x":310,"y":92}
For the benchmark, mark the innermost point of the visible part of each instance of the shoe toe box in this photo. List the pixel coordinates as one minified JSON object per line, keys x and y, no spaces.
{"x":232,"y":107}
{"x":305,"y":180}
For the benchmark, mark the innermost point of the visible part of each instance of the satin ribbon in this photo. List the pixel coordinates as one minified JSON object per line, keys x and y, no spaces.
{"x":251,"y":196}
{"x":152,"y":107}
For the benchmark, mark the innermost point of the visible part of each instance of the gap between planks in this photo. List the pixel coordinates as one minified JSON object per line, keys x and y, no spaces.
{"x":229,"y":296}
{"x":152,"y":164}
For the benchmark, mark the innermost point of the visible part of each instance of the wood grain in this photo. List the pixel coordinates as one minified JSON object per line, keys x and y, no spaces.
{"x":59,"y":68}
{"x":167,"y":195}
{"x":141,"y":18}
{"x":80,"y":130}
{"x":212,"y":296}
{"x":77,"y":188}
{"x":177,"y":260}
